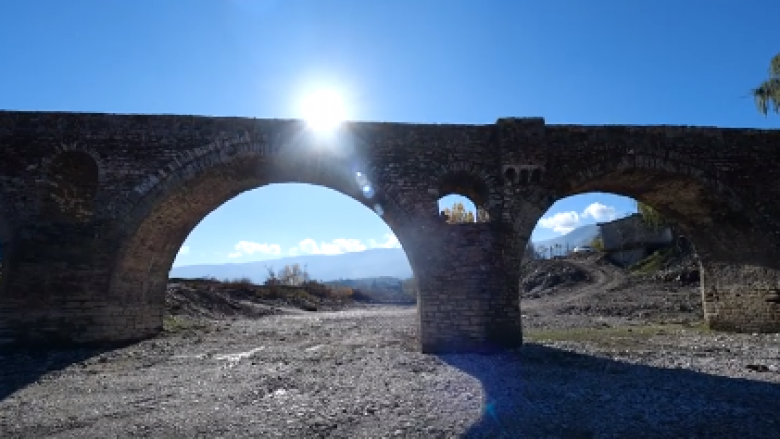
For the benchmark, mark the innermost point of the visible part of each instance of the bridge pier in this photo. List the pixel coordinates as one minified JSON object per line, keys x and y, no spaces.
{"x":469,"y":290}
{"x":56,"y":291}
{"x":741,"y":298}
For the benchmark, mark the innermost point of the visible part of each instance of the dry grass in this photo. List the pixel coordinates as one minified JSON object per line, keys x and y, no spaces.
{"x":177,"y":323}
{"x":309,"y":293}
{"x":241,"y":282}
{"x":613,"y":337}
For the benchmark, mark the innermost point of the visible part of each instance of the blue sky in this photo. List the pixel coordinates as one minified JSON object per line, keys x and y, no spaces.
{"x":456,"y":61}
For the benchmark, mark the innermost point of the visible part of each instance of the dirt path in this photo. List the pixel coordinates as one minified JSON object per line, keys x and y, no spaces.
{"x":604,"y":295}
{"x":602,"y":277}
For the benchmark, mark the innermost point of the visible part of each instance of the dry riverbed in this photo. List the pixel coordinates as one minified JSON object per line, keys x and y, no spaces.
{"x":356,"y":374}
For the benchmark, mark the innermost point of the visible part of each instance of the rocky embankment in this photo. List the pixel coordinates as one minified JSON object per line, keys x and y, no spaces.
{"x":590,"y":292}
{"x":239,"y":371}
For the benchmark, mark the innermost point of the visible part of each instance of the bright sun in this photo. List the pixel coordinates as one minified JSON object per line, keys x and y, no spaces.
{"x":324,"y":110}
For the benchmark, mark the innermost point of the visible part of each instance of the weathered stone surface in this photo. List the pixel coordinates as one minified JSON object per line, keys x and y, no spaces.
{"x":94,"y":207}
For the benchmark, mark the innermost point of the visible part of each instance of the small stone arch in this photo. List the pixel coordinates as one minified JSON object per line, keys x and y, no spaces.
{"x":471,"y":182}
{"x":524,"y":179}
{"x":536,"y":176}
{"x":466,"y":184}
{"x":510,"y":175}
{"x":470,"y":186}
{"x":76,"y":147}
{"x":71,"y":184}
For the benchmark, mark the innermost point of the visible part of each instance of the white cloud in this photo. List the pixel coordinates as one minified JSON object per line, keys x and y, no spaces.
{"x":249,"y":248}
{"x":600,"y":212}
{"x":185,"y":249}
{"x":341,"y":245}
{"x":335,"y":247}
{"x":308,"y":245}
{"x":565,"y":222}
{"x":347,"y":245}
{"x":390,"y":242}
{"x":562,"y":222}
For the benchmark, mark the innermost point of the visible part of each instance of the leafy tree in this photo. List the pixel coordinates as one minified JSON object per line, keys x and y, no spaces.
{"x":650,"y":216}
{"x":409,"y":287}
{"x":292,"y":275}
{"x":458,"y":214}
{"x":530,"y":252}
{"x":767,"y":94}
{"x":482,"y":215}
{"x":271,"y":278}
{"x":597,"y":244}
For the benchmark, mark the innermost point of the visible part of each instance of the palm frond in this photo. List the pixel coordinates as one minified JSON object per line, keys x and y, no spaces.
{"x":767,"y":96}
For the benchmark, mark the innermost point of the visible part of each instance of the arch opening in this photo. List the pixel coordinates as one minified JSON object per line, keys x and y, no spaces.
{"x":71,"y":187}
{"x":463,"y":198}
{"x":168,"y":231}
{"x":510,"y":175}
{"x":523,"y":179}
{"x":536,"y":175}
{"x":715,"y":223}
{"x":600,"y":257}
{"x":327,"y":241}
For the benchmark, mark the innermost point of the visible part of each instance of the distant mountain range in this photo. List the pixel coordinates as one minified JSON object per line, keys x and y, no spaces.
{"x":580,"y":236}
{"x":369,"y":263}
{"x":390,"y":262}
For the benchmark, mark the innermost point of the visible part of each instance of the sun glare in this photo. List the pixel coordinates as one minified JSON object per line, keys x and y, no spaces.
{"x":324,"y":110}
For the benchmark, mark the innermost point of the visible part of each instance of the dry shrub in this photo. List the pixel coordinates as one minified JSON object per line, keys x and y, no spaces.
{"x":241,"y":282}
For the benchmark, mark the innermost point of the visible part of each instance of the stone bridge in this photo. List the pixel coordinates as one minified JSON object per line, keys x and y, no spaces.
{"x":94,"y":207}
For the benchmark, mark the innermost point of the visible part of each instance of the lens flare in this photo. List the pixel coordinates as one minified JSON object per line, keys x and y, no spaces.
{"x":324,"y":111}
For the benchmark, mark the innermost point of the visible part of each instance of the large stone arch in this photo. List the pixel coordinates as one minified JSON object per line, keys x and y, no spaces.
{"x":682,"y":191}
{"x":168,"y":209}
{"x":740,"y":270}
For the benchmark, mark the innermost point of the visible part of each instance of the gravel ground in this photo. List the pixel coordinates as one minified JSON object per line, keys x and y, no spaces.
{"x":355,"y":374}
{"x":606,"y":356}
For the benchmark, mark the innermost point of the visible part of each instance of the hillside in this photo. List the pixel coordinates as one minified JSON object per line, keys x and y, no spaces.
{"x":355,"y":265}
{"x":370,"y":263}
{"x":579,"y":236}
{"x":588,"y":290}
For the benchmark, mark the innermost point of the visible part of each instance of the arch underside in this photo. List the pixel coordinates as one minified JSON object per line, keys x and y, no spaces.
{"x":714,"y":216}
{"x":466,"y":184}
{"x":141,"y":271}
